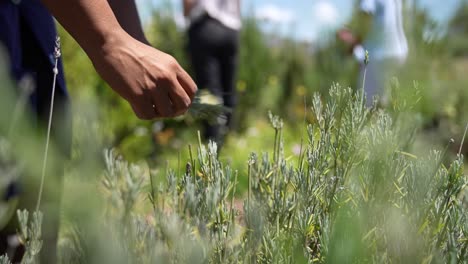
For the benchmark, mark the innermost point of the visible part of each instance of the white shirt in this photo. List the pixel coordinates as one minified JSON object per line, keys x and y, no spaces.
{"x":225,"y":11}
{"x":387,"y":38}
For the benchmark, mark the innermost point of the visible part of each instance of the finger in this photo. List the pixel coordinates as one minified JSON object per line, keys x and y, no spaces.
{"x":187,"y":83}
{"x":162,"y":101}
{"x":143,"y":109}
{"x":179,"y":98}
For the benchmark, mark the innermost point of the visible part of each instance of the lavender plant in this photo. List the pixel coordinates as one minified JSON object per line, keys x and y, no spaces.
{"x":30,"y":235}
{"x":357,"y":194}
{"x":4,"y":260}
{"x":57,"y":54}
{"x":10,"y":171}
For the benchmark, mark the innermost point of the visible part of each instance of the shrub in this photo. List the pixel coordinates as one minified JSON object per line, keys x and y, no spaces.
{"x":355,"y":194}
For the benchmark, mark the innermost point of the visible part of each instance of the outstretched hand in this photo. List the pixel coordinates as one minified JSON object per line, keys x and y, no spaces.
{"x":152,"y":82}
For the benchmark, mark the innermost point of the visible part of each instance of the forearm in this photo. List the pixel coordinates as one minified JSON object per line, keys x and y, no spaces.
{"x":188,"y":5}
{"x":127,"y":15}
{"x":152,"y":82}
{"x":91,"y":22}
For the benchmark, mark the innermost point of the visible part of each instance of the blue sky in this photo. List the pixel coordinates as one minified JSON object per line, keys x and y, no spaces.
{"x":307,"y":19}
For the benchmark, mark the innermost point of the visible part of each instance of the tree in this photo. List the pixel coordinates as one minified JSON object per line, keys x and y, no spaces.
{"x":457,"y":32}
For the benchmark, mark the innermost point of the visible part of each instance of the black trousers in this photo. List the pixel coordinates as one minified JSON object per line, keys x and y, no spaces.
{"x":214,"y":52}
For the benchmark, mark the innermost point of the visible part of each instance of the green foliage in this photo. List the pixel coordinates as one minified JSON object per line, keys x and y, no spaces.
{"x":4,"y":260}
{"x":10,"y":171}
{"x":275,"y":73}
{"x":258,"y":62}
{"x":458,"y":31}
{"x":30,"y":235}
{"x":164,"y":34}
{"x":354,"y":194}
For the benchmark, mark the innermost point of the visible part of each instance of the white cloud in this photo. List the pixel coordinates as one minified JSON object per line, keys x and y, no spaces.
{"x":274,"y":14}
{"x":326,"y":14}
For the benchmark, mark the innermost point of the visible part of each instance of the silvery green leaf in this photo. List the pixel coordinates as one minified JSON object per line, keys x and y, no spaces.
{"x":4,"y":259}
{"x":207,"y":110}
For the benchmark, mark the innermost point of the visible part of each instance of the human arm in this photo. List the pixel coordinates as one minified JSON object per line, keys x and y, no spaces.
{"x":127,"y":15}
{"x":188,"y":6}
{"x":359,"y":26}
{"x":353,"y":42}
{"x":152,"y":82}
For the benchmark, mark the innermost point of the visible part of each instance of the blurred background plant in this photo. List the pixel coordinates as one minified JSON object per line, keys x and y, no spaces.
{"x":354,"y":193}
{"x":277,"y":73}
{"x":330,"y":182}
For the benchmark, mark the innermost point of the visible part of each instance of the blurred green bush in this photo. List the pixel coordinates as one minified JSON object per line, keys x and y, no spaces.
{"x":279,"y":74}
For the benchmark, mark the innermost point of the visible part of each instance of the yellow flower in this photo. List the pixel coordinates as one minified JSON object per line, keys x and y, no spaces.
{"x":300,"y":90}
{"x":273,"y":80}
{"x":241,"y":86}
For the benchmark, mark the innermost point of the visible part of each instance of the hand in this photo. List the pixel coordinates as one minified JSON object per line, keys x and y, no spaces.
{"x":152,"y":82}
{"x":188,"y":6}
{"x":347,"y":37}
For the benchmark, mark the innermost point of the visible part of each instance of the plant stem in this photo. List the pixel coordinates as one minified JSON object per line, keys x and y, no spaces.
{"x":363,"y":85}
{"x":49,"y":125}
{"x":301,"y":154}
{"x":192,"y":161}
{"x":152,"y":193}
{"x":249,"y":190}
{"x":463,"y":140}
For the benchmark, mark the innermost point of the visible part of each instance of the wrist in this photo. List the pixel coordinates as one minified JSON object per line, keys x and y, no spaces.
{"x":105,"y":42}
{"x":139,"y":35}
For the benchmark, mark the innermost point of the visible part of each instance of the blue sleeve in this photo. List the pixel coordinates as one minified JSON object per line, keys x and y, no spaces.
{"x":369,"y":6}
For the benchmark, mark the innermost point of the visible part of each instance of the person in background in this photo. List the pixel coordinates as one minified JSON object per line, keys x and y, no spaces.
{"x":213,"y":37}
{"x":109,"y":31}
{"x":384,"y":39}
